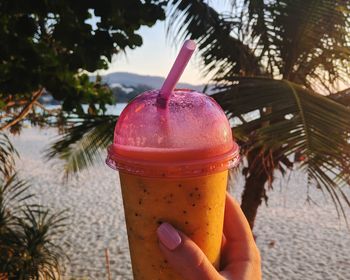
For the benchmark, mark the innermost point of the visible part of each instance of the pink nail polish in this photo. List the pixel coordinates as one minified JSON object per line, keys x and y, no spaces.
{"x":169,"y":236}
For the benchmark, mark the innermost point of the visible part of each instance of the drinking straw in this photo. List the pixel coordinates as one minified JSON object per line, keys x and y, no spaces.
{"x":175,"y":73}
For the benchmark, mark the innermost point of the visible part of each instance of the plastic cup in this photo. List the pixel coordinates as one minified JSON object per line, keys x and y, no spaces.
{"x":173,"y":165}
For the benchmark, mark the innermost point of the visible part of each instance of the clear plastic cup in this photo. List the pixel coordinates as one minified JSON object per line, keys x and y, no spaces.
{"x":173,"y":164}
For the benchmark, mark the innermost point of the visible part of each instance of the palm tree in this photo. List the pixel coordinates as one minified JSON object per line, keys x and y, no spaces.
{"x":27,"y":234}
{"x":272,"y":59}
{"x":27,"y":230}
{"x":271,"y":62}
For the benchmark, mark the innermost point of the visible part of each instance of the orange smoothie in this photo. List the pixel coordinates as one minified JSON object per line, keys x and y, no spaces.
{"x":194,"y":205}
{"x":173,"y":160}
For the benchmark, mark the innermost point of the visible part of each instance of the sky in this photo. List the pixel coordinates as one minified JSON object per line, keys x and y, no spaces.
{"x":155,"y":57}
{"x":158,"y":52}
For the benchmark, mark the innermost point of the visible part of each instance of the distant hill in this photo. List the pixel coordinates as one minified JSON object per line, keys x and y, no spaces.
{"x":125,"y":86}
{"x":123,"y":94}
{"x":135,"y":80}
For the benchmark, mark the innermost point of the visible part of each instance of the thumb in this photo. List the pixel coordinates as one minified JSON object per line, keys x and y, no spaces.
{"x":184,"y":256}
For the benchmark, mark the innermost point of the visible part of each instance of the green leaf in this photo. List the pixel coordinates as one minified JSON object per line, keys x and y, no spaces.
{"x":80,"y":147}
{"x":8,"y":155}
{"x":295,"y":121}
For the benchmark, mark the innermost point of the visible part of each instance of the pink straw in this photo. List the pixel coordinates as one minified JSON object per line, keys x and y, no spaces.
{"x":176,"y":71}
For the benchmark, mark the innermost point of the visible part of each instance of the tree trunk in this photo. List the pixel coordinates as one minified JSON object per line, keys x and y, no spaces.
{"x":253,"y":194}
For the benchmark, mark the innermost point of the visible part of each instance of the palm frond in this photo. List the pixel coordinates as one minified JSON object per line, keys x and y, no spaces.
{"x":221,"y":52}
{"x":81,"y":146}
{"x":27,"y":233}
{"x":318,"y":40}
{"x":291,"y":120}
{"x":36,"y":251}
{"x":8,"y":155}
{"x":342,"y":97}
{"x":304,"y":42}
{"x":14,"y":195}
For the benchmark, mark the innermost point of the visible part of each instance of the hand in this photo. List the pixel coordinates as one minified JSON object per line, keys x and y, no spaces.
{"x":240,"y":258}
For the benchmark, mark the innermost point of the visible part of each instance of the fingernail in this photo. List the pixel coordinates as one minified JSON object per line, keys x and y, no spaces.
{"x":169,"y":236}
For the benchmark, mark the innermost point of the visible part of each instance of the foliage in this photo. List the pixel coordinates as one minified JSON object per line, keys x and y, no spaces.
{"x":27,"y":234}
{"x":221,"y":52}
{"x":49,"y":44}
{"x":82,"y":143}
{"x":301,"y":124}
{"x":47,"y":47}
{"x":37,"y":256}
{"x":304,"y":42}
{"x":27,"y":230}
{"x":7,"y":156}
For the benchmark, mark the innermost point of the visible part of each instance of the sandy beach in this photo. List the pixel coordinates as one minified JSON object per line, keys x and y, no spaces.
{"x":298,"y":240}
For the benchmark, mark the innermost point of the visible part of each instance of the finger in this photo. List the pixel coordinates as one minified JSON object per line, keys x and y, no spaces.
{"x":223,"y":242}
{"x":236,"y":226}
{"x":240,"y":244}
{"x":184,"y":256}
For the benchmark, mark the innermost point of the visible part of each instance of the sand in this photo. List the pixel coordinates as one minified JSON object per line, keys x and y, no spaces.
{"x":298,"y":240}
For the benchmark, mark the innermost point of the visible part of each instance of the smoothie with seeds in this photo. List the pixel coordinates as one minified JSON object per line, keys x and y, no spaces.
{"x":193,"y":205}
{"x":173,"y":149}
